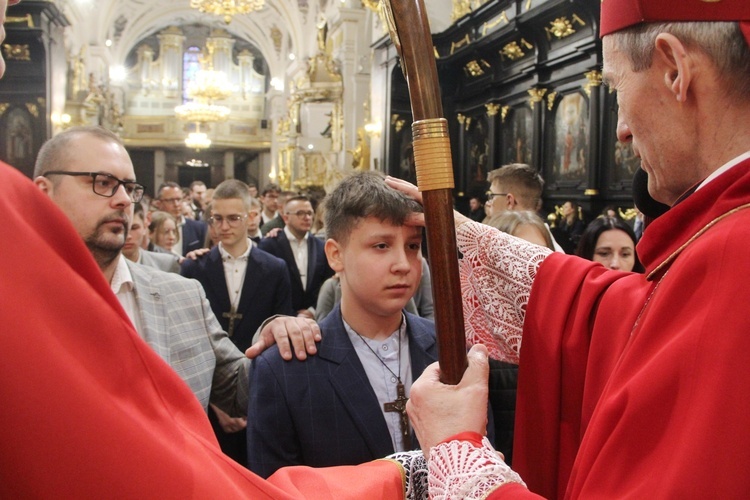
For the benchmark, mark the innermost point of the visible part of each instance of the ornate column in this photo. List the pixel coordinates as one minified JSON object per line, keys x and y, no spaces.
{"x":536,"y":96}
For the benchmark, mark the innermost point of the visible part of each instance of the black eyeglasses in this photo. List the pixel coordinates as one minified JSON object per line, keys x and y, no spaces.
{"x":106,"y":185}
{"x":233,"y":220}
{"x":491,"y":196}
{"x":302,"y":213}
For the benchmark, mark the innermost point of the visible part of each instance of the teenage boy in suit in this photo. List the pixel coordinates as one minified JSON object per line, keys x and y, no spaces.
{"x":344,"y":406}
{"x":244,"y":286}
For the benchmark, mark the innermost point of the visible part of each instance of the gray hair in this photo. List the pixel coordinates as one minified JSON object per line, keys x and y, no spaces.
{"x":722,"y":42}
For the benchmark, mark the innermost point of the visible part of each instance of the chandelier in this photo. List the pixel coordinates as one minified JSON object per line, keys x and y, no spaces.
{"x":227,"y":8}
{"x":210,"y":85}
{"x":197,"y":140}
{"x":195,"y":111}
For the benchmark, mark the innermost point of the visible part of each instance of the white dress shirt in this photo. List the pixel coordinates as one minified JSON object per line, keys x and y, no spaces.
{"x":299,"y":249}
{"x":390,"y":352}
{"x":122,"y":285}
{"x":234,"y":272}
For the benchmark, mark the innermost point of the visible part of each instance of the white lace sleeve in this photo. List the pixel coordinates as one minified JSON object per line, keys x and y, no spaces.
{"x":414,"y":469}
{"x":459,"y":469}
{"x":497,"y":271}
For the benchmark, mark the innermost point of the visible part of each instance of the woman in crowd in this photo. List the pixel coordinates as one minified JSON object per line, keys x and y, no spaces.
{"x":611,"y":242}
{"x":163,"y":232}
{"x":570,"y":227}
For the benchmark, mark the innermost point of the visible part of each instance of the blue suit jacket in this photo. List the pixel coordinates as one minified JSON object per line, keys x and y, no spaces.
{"x":318,"y":269}
{"x":265,"y":291}
{"x":193,"y":235}
{"x":323,"y":411}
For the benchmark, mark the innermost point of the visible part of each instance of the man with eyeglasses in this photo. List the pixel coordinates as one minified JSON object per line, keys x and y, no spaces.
{"x":244,"y":285}
{"x":516,"y":186}
{"x":303,"y":253}
{"x":192,"y":233}
{"x":96,"y":189}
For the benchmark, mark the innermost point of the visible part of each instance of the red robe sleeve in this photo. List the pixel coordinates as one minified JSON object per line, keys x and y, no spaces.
{"x":633,"y":386}
{"x":89,"y":410}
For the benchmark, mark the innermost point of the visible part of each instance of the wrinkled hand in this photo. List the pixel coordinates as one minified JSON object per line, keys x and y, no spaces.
{"x":412,"y":191}
{"x":227,"y":423}
{"x":193,"y":255}
{"x":438,"y":411}
{"x":301,"y":333}
{"x":409,"y":189}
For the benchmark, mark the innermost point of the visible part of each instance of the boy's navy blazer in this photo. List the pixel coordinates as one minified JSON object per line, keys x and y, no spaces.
{"x":323,"y":411}
{"x":265,"y":291}
{"x":318,"y":269}
{"x":193,"y":235}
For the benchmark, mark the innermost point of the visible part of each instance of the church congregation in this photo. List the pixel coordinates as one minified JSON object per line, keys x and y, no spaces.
{"x":278,"y":340}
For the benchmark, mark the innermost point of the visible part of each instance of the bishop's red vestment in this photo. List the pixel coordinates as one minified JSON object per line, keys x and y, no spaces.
{"x":88,"y":409}
{"x":638,"y":386}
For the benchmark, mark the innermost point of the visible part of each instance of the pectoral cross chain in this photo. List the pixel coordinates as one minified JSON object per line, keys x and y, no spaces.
{"x":232,"y":315}
{"x":399,"y":405}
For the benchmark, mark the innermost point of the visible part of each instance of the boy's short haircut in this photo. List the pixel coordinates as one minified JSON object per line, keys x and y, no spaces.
{"x":524,"y":181}
{"x":233,"y":189}
{"x":362,"y":195}
{"x":270,"y":187}
{"x":297,"y":197}
{"x":254,"y":204}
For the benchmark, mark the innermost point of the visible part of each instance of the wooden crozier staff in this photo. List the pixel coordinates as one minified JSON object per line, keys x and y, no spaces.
{"x":410,"y":33}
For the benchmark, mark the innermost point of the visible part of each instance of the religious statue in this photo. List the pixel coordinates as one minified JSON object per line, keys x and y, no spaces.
{"x":361,"y":153}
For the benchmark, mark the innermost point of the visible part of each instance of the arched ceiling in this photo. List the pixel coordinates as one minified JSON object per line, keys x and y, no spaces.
{"x":280,"y":28}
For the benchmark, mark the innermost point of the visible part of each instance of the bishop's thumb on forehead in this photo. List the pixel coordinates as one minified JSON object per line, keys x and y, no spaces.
{"x":642,"y":199}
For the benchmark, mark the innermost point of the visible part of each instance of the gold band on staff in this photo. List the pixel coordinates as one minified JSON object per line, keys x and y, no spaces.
{"x":432,"y":154}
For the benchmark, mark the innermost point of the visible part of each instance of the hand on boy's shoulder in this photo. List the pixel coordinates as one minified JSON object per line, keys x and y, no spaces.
{"x":289,"y":333}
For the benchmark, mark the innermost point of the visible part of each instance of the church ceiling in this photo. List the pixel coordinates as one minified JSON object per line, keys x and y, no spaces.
{"x":113,"y":28}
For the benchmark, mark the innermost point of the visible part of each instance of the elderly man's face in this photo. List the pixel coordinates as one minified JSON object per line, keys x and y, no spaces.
{"x":659,"y":127}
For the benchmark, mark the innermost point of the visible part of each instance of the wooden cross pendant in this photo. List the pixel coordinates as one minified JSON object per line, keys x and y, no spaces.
{"x":232,"y":315}
{"x":399,"y":405}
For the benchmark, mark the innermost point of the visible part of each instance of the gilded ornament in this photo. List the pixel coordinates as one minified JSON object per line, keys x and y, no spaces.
{"x":560,"y":28}
{"x":397,"y":122}
{"x":474,"y":68}
{"x":513,"y":51}
{"x":457,"y":45}
{"x":276,"y":36}
{"x":27,"y":19}
{"x":503,"y":17}
{"x":551,"y":100}
{"x":3,"y":108}
{"x":33,"y":109}
{"x":492,"y":109}
{"x":536,"y":95}
{"x":373,"y":5}
{"x":504,"y":112}
{"x":594,"y":78}
{"x":460,"y":9}
{"x":16,"y":52}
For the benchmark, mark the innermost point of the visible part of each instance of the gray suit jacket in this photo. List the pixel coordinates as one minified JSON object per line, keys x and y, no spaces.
{"x":167,"y":262}
{"x":178,"y":324}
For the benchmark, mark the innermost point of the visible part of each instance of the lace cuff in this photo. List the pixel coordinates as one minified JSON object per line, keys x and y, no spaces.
{"x":461,"y":469}
{"x":497,"y":271}
{"x":414,"y":467}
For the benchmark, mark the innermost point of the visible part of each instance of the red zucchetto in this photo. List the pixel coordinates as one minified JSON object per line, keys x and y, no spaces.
{"x":620,"y":14}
